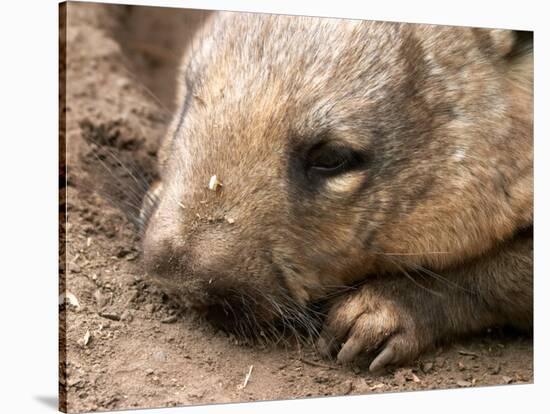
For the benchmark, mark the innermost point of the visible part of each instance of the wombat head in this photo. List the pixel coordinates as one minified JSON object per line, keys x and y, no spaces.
{"x":340,"y":149}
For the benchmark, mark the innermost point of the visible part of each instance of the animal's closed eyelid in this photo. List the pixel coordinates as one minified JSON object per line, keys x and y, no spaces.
{"x":338,"y":150}
{"x":325,"y":154}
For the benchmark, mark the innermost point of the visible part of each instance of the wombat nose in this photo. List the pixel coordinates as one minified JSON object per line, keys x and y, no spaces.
{"x":213,"y":276}
{"x":197,"y":258}
{"x":163,"y":253}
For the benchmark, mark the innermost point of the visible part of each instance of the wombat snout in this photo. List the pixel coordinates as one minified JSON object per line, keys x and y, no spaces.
{"x":172,"y":257}
{"x":205,"y":270}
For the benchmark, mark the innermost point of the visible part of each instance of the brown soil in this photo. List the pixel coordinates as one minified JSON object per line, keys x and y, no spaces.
{"x":126,"y":345}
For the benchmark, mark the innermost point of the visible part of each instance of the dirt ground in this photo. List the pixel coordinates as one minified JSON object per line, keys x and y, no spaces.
{"x":122,"y":343}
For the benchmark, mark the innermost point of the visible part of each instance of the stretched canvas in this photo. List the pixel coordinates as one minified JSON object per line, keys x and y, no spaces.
{"x":270,"y":207}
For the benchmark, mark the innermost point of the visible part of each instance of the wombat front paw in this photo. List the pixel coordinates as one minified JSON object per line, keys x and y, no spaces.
{"x":369,"y":322}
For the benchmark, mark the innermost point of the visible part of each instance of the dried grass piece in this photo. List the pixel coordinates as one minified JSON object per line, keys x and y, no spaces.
{"x":86,"y":339}
{"x":247,"y":378}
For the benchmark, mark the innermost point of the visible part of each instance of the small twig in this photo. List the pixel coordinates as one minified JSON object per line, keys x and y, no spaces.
{"x":247,"y":378}
{"x":316,"y":364}
{"x":110,"y":316}
{"x":468,"y":353}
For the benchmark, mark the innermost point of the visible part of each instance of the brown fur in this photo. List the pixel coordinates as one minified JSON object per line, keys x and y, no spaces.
{"x":430,"y":221}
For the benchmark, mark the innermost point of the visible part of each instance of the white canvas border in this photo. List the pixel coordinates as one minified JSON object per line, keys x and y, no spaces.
{"x":29,"y":203}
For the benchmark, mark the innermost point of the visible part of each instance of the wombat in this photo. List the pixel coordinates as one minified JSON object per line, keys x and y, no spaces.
{"x":383,"y":170}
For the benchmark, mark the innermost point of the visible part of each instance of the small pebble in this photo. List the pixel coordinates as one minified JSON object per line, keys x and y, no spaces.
{"x":495,"y":370}
{"x":427,"y":367}
{"x":127,"y":316}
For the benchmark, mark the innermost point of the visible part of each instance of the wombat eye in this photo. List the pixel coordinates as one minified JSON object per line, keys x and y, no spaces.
{"x":329,"y":160}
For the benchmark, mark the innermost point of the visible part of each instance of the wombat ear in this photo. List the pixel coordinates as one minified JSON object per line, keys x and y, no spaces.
{"x":513,"y":48}
{"x":502,"y":43}
{"x":519,"y":59}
